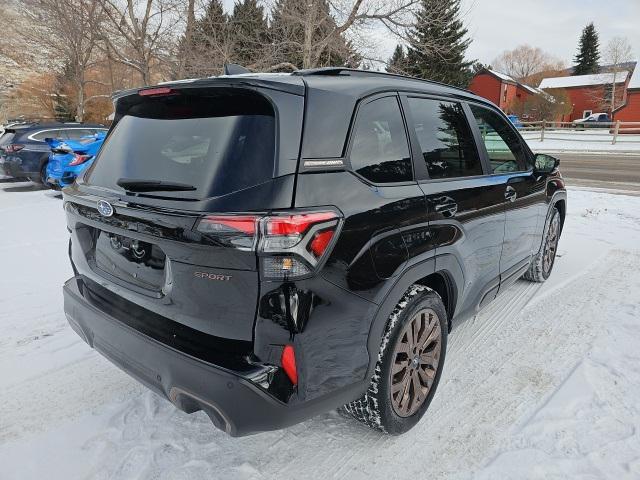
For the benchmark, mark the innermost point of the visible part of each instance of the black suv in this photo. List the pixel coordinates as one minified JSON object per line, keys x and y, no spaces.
{"x":268,"y":247}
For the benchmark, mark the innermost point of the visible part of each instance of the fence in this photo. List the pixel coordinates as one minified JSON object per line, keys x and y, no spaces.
{"x":603,"y":132}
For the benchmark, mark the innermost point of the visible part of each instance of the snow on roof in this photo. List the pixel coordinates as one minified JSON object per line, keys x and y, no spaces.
{"x":502,"y":76}
{"x":584,"y":80}
{"x":635,"y":78}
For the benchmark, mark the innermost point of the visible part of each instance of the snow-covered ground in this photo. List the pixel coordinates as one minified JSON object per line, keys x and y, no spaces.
{"x":544,"y":383}
{"x":589,"y":141}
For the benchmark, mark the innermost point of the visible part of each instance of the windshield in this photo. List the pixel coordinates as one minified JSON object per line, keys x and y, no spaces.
{"x":217,"y":144}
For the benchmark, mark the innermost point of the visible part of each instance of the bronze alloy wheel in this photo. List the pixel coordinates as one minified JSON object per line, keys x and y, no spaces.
{"x":415,"y":362}
{"x":551,"y":246}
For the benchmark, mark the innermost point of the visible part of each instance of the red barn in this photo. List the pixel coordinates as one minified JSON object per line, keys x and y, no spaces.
{"x":501,"y":89}
{"x":630,"y":109}
{"x":589,"y":93}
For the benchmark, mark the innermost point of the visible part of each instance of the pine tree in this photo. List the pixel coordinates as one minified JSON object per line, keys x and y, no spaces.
{"x":438,"y":43}
{"x":209,"y":40}
{"x":397,"y":61}
{"x":250,"y":32}
{"x":588,"y":52}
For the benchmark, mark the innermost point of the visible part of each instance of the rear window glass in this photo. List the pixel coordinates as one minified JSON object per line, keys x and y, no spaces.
{"x":216,"y":142}
{"x":7,"y":138}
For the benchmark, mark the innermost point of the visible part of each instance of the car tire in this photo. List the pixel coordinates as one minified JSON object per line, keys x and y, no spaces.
{"x":43,"y":175}
{"x":407,"y":372}
{"x":543,"y":261}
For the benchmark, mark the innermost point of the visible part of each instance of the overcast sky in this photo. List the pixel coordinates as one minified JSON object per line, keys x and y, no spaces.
{"x":553,"y":25}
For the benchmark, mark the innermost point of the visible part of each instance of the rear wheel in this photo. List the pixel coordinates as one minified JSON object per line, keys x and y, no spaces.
{"x":409,"y":364}
{"x":542,"y":263}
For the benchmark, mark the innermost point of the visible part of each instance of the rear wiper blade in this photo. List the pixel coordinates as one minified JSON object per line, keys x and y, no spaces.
{"x":134,"y":185}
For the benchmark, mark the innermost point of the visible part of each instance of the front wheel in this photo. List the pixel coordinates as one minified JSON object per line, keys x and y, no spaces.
{"x":542,"y":263}
{"x":409,"y":364}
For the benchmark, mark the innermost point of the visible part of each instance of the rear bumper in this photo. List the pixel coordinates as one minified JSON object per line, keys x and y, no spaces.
{"x":233,"y":403}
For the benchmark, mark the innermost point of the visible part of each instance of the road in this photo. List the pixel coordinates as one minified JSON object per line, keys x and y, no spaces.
{"x":607,"y":171}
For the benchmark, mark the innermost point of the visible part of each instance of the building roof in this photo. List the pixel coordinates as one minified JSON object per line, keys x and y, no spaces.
{"x":634,"y":83}
{"x":584,"y":80}
{"x":502,"y":76}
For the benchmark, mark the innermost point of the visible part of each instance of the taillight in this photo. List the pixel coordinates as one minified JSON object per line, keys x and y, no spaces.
{"x":79,"y":159}
{"x":157,"y":92}
{"x":290,"y":245}
{"x":288,"y":362}
{"x":13,"y":148}
{"x":293,"y":245}
{"x":238,"y":231}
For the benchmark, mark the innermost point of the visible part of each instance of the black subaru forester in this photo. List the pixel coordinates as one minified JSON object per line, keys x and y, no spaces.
{"x":268,"y":247}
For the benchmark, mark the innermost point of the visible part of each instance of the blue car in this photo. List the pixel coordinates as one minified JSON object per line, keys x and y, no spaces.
{"x":69,"y":158}
{"x":516,"y":121}
{"x":24,"y":152}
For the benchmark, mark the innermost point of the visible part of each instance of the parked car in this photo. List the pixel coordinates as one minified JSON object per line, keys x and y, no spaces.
{"x":24,"y":152}
{"x":69,"y":158}
{"x":516,"y":121}
{"x":598,"y":120}
{"x":270,"y":247}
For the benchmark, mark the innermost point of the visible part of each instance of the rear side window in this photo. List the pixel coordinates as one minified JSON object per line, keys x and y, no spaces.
{"x":76,"y":133}
{"x":217,"y":142}
{"x":447,"y":145}
{"x":380,"y":151}
{"x":40,"y":136}
{"x":503,"y":145}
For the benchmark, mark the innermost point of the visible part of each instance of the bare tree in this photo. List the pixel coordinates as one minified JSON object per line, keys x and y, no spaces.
{"x":140,"y":33}
{"x":68,"y":31}
{"x":524,"y":61}
{"x":317,"y":28}
{"x":617,"y":52}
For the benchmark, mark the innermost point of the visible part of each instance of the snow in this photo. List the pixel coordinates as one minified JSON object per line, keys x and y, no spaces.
{"x":503,"y":76}
{"x":543,"y":383}
{"x":584,"y":80}
{"x":635,"y":78}
{"x":596,"y":140}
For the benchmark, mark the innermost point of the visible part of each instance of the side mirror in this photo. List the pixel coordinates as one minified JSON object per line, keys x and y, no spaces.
{"x":545,"y":164}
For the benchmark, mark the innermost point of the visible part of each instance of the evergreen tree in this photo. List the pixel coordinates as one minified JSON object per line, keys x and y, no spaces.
{"x":438,"y":43}
{"x":397,"y":61}
{"x":250,"y":32}
{"x":209,"y":43}
{"x":588,"y":52}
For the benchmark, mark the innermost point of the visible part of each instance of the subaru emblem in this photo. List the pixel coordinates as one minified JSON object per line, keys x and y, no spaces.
{"x":105,"y":208}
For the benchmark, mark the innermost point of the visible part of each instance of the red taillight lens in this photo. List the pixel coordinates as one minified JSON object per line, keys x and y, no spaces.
{"x":13,"y":148}
{"x":289,"y":363}
{"x":296,"y":224}
{"x":79,"y":159}
{"x":233,"y":230}
{"x":290,"y":245}
{"x":226,"y":223}
{"x":320,"y":242}
{"x":156,"y":92}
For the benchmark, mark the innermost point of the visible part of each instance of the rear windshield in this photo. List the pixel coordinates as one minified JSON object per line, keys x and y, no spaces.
{"x":7,"y":138}
{"x":217,"y":142}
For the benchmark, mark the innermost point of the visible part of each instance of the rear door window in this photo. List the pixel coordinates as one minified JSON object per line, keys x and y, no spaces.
{"x":445,"y":138}
{"x":76,"y":133}
{"x":380,"y":150}
{"x":216,"y":143}
{"x":503,"y":145}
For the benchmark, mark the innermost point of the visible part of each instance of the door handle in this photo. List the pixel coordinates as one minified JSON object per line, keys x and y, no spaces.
{"x":510,"y":194}
{"x":446,"y":206}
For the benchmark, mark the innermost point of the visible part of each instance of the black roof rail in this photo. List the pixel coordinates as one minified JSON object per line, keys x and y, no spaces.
{"x":329,"y":71}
